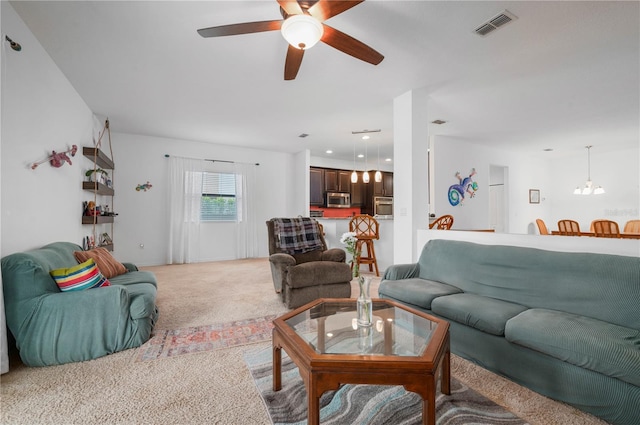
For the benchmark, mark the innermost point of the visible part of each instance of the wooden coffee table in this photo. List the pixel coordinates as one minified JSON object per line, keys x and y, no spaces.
{"x":402,"y":347}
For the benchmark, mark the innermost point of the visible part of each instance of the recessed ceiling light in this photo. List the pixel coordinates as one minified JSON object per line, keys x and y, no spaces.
{"x":388,"y":160}
{"x":360,"y":155}
{"x":329,"y":151}
{"x":548,"y":149}
{"x":303,"y":135}
{"x":366,"y":137}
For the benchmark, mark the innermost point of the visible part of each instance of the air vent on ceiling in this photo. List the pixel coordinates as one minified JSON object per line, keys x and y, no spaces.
{"x":494,"y":23}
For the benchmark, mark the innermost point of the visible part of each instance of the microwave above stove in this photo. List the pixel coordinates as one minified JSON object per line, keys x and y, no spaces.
{"x":338,"y":200}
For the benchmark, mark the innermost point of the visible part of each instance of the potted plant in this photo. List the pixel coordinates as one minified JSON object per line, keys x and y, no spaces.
{"x":97,"y":175}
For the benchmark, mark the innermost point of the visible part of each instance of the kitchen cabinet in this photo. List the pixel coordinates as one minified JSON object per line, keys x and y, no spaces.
{"x":331,"y":180}
{"x":385,"y":187}
{"x":358,"y":192}
{"x":316,"y":186}
{"x":337,"y":180}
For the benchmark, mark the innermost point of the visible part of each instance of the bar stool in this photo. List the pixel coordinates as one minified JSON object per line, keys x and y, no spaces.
{"x":367,"y":229}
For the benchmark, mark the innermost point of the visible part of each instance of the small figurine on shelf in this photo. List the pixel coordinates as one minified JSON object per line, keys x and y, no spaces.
{"x":106,"y":239}
{"x":90,"y":209}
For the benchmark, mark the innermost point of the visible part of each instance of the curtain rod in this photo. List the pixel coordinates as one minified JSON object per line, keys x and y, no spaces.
{"x":166,"y":155}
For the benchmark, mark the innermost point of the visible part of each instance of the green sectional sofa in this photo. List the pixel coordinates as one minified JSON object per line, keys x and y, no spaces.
{"x":566,"y":325}
{"x":51,"y":327}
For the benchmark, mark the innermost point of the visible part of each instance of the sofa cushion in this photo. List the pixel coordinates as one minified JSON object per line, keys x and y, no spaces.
{"x":79,"y":277}
{"x":109,"y":266}
{"x":140,"y":276}
{"x":583,"y":341}
{"x":419,"y":292}
{"x":483,"y":313}
{"x":318,"y":273}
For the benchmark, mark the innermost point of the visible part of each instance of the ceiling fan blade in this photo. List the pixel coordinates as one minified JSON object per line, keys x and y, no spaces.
{"x":292,"y":63}
{"x":245,"y":28}
{"x":349,"y":45}
{"x":325,"y":9}
{"x":290,"y":7}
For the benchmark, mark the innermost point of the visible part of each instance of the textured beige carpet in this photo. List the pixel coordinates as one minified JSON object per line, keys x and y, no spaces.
{"x":203,"y":388}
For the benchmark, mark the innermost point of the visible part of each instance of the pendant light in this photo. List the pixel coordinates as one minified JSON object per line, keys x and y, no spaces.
{"x":354,"y":175}
{"x":378,"y":176}
{"x":365,"y":174}
{"x":588,"y":188}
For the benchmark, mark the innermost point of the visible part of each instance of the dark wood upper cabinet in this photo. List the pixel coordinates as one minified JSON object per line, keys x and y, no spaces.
{"x":344,"y":181}
{"x":316,"y":186}
{"x":358,"y":192}
{"x":330,"y":180}
{"x":385,"y":187}
{"x":337,"y":180}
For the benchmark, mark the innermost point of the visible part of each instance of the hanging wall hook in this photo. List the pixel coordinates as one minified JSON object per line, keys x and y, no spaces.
{"x":15,"y":46}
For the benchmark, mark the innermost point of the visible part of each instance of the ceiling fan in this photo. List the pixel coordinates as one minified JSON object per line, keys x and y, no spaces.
{"x":303,"y":26}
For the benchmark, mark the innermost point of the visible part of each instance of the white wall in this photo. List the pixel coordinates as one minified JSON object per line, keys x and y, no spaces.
{"x":451,"y":155}
{"x":142,"y":215}
{"x":618,"y":172}
{"x":41,"y":112}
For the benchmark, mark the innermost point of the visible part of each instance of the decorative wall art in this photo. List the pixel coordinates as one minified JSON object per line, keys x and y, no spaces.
{"x":144,"y":187}
{"x":534,"y":196}
{"x":466,"y":185}
{"x":57,"y":159}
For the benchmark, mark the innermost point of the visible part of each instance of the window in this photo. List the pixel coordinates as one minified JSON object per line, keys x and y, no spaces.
{"x":218,"y":197}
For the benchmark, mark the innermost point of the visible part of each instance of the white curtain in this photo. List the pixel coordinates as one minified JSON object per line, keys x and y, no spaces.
{"x":185,"y":194}
{"x":247,"y":243}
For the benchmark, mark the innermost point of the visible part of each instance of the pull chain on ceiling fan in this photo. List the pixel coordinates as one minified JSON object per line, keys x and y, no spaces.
{"x":303,"y":26}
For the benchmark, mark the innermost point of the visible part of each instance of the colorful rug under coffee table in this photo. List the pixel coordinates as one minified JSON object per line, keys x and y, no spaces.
{"x":198,"y":339}
{"x":367,"y":404}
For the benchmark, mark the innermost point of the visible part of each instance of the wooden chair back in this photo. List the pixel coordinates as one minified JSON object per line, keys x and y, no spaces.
{"x":569,"y":228}
{"x":606,"y":229}
{"x":542,"y":227}
{"x":365,"y":227}
{"x":442,"y":223}
{"x":632,"y":226}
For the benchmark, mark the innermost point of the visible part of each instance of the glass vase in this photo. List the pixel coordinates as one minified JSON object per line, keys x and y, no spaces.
{"x":364,"y":304}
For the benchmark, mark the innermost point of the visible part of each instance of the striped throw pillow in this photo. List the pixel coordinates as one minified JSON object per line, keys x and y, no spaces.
{"x":80,"y":277}
{"x":108,"y":266}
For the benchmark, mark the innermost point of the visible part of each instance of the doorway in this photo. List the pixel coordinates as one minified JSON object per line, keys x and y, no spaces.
{"x":498,"y":202}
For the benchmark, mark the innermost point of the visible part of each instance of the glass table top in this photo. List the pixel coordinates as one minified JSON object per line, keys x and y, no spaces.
{"x":332,"y":328}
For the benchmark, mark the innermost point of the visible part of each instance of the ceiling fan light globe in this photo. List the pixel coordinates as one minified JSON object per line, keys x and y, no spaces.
{"x":578,"y":191}
{"x":302,"y":31}
{"x":599,"y":190}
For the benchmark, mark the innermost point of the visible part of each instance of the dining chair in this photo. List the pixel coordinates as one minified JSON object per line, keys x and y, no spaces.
{"x":606,"y":229}
{"x":542,"y":227}
{"x":632,"y":226}
{"x":367,"y":229}
{"x":568,"y":228}
{"x":442,"y":223}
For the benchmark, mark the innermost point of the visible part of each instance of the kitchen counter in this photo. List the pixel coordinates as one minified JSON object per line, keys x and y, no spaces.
{"x":335,"y":227}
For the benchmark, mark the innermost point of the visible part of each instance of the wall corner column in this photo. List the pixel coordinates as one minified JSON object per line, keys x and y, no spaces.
{"x":411,"y":169}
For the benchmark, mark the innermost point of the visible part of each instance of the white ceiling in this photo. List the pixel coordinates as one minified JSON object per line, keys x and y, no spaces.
{"x":563,"y":75}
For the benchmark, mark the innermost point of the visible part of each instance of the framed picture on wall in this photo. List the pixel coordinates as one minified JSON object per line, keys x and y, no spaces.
{"x":534,"y":196}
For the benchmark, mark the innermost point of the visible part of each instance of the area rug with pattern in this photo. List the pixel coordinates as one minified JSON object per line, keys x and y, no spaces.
{"x":197,"y":339}
{"x":367,"y":404}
